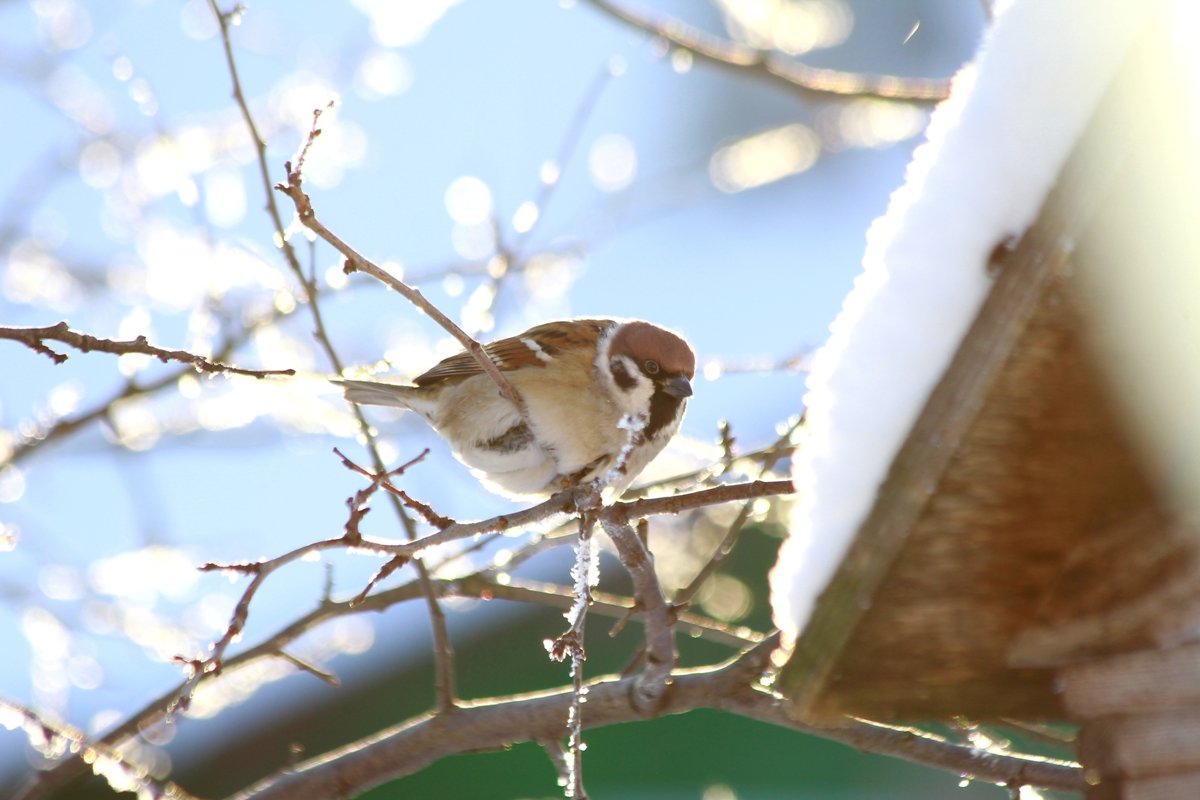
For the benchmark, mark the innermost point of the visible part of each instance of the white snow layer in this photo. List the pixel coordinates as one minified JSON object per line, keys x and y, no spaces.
{"x":993,"y":151}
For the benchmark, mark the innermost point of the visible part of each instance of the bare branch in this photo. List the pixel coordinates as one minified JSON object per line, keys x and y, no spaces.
{"x":772,"y":66}
{"x":508,"y":256}
{"x":920,"y":747}
{"x":707,"y":474}
{"x":42,"y":435}
{"x":310,"y":668}
{"x":558,"y":759}
{"x":214,"y":661}
{"x":675,"y":504}
{"x":356,"y":262}
{"x":498,"y":722}
{"x":473,"y":586}
{"x":259,"y":570}
{"x":443,"y":651}
{"x":725,"y":547}
{"x":260,"y":146}
{"x":565,"y":502}
{"x":51,"y":736}
{"x":540,"y":716}
{"x":660,"y":634}
{"x":35,"y":339}
{"x":605,"y":604}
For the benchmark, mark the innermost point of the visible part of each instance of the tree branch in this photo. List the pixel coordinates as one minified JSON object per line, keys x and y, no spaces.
{"x":35,"y":339}
{"x":684,"y":596}
{"x":42,"y":435}
{"x":772,"y":66}
{"x":356,"y":262}
{"x":604,"y":604}
{"x":660,"y":632}
{"x":919,"y":747}
{"x":499,"y":722}
{"x":618,"y":513}
{"x":51,"y":736}
{"x":443,"y":652}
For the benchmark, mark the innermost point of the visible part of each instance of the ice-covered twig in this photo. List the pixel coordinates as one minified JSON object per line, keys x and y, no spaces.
{"x":585,"y":573}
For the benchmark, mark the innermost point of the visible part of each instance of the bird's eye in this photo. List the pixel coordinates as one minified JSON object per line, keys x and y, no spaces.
{"x":651,"y":367}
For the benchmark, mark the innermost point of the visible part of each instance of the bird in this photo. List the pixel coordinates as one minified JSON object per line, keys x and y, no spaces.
{"x":602,"y":399}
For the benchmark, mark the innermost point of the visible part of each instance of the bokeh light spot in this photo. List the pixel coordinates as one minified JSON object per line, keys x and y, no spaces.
{"x":525,"y":217}
{"x":791,"y":26}
{"x":612,"y":162}
{"x":764,"y":158}
{"x":99,"y":164}
{"x":224,"y":197}
{"x":383,"y":73}
{"x":12,"y":484}
{"x":399,"y":24}
{"x":468,"y":201}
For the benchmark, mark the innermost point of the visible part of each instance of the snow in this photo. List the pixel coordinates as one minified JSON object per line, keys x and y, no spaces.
{"x":992,"y":153}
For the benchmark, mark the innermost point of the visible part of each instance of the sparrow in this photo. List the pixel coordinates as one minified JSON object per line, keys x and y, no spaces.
{"x":602,"y":397}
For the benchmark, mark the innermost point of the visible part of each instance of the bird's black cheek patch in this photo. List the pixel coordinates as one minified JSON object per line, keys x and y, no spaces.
{"x":621,"y":374}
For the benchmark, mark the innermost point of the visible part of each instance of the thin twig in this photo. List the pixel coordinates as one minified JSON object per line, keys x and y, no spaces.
{"x":35,"y":339}
{"x":684,"y":596}
{"x":260,"y":144}
{"x":772,"y":66}
{"x":213,"y":663}
{"x":564,"y":502}
{"x":509,"y":257}
{"x":558,"y":759}
{"x":799,"y":361}
{"x":259,"y":570}
{"x":356,"y":262}
{"x":41,"y":435}
{"x":311,"y":669}
{"x":604,"y":604}
{"x":675,"y":504}
{"x":443,"y":651}
{"x":710,"y":472}
{"x":36,"y":435}
{"x":1042,"y":732}
{"x":51,"y":735}
{"x":566,"y":148}
{"x":725,"y":546}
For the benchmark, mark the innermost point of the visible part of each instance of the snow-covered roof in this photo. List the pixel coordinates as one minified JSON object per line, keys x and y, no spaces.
{"x":993,"y":152}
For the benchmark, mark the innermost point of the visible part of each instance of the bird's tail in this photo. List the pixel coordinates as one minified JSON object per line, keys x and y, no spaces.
{"x":375,"y":393}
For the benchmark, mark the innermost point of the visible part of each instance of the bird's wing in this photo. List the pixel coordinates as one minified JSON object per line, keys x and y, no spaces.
{"x":535,"y":347}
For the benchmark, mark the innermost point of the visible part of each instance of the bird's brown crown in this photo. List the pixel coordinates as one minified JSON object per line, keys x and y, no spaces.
{"x":642,"y":341}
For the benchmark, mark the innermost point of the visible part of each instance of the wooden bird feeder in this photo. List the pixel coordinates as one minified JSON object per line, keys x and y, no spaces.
{"x":1031,"y":554}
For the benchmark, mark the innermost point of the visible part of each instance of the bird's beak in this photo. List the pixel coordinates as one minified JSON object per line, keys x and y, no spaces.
{"x":678,"y":386}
